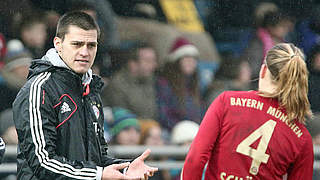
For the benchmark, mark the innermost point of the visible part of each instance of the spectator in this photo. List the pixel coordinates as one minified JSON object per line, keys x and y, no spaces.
{"x":10,"y":11}
{"x":274,"y":28}
{"x":178,"y":93}
{"x":3,"y":50}
{"x":7,"y":128}
{"x":309,"y":30}
{"x":261,"y":10}
{"x":313,"y":127}
{"x":33,"y":33}
{"x":183,"y":134}
{"x":135,"y":82}
{"x":138,"y":8}
{"x":14,"y":73}
{"x":151,"y":135}
{"x":233,"y":74}
{"x":313,"y":64}
{"x":125,"y":128}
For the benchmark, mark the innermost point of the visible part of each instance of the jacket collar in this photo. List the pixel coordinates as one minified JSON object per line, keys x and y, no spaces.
{"x":53,"y":57}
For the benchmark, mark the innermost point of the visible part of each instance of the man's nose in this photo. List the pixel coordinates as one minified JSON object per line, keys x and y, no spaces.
{"x":84,"y":51}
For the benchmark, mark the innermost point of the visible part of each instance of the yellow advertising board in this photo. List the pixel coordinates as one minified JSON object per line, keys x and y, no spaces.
{"x":183,"y":14}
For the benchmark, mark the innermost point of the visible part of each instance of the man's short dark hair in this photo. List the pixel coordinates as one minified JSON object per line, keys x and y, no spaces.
{"x":76,"y":18}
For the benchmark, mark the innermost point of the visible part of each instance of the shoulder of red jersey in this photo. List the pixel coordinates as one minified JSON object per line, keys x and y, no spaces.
{"x":240,"y":94}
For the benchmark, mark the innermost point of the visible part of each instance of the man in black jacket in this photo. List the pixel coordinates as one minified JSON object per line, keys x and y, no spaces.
{"x":2,"y":149}
{"x":58,"y":112}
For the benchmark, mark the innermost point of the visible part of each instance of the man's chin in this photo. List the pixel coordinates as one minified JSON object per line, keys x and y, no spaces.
{"x":81,"y":71}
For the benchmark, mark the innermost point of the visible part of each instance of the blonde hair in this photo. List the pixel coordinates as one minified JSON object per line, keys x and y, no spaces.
{"x":288,"y":69}
{"x":145,"y":126}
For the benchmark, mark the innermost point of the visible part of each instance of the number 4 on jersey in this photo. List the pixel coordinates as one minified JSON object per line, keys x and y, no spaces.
{"x":258,"y":155}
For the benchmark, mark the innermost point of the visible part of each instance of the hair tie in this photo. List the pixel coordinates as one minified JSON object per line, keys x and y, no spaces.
{"x":292,"y":56}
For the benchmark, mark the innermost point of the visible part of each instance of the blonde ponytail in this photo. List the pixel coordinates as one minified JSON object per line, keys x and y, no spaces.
{"x":288,"y":68}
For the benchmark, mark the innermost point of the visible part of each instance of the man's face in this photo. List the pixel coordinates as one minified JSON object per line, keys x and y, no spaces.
{"x":78,"y":49}
{"x":35,"y":36}
{"x":128,"y":136}
{"x":147,"y":62}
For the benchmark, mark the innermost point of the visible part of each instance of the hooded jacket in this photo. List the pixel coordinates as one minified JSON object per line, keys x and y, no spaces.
{"x":59,"y":120}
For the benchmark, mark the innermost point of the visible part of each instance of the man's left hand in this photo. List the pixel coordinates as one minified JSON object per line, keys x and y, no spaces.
{"x":139,"y":169}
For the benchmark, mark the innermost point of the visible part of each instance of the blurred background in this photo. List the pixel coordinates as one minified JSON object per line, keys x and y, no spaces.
{"x":175,"y":55}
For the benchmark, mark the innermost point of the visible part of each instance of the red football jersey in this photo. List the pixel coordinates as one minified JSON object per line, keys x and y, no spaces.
{"x":244,"y":136}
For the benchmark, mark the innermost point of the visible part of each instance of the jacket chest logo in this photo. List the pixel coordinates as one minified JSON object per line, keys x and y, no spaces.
{"x":96,"y":111}
{"x":65,"y":108}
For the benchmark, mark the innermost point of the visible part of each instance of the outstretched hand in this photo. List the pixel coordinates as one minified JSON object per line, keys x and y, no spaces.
{"x":112,"y":172}
{"x":139,"y":169}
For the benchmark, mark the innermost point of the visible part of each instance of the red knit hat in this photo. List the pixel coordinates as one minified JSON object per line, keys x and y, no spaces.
{"x":181,"y":48}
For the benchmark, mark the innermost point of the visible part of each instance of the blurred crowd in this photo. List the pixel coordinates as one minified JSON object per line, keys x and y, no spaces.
{"x":161,"y":73}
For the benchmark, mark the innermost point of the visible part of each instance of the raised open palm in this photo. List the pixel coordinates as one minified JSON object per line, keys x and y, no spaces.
{"x":139,"y":169}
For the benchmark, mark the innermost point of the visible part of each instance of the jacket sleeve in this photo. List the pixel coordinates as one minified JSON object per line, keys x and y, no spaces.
{"x":107,"y":160}
{"x":203,"y":144}
{"x":2,"y":149}
{"x":36,"y":123}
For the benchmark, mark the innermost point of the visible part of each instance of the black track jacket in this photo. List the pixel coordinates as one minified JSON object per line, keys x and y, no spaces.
{"x":59,"y":120}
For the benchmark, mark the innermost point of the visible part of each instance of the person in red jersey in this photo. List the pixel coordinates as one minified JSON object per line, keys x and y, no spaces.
{"x":248,"y":135}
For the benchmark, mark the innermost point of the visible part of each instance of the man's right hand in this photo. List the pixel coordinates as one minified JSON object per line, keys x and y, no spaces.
{"x":112,"y":172}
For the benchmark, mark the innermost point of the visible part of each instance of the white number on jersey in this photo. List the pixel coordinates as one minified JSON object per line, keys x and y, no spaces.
{"x":258,"y":155}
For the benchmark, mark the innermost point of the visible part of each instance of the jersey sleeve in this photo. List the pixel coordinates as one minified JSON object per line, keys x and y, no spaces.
{"x":302,"y":169}
{"x":203,"y":144}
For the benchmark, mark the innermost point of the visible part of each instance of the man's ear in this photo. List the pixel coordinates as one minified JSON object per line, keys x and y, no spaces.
{"x":57,"y":42}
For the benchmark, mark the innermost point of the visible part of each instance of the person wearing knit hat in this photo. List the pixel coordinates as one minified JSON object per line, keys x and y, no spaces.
{"x":178,"y":91}
{"x":181,"y":48}
{"x":125,"y":128}
{"x":184,"y":132}
{"x":16,"y":60}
